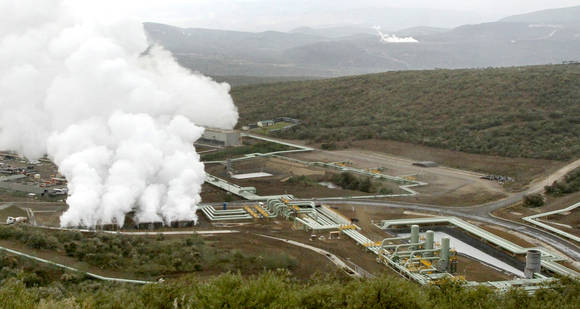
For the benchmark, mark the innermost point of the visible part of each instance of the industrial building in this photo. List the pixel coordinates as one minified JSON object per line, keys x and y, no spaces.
{"x":226,"y":138}
{"x":265,"y":123}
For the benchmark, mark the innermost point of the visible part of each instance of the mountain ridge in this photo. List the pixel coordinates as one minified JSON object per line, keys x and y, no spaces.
{"x":329,"y":52}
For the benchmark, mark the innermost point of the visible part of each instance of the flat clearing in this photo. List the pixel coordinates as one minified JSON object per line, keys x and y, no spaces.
{"x":447,"y":186}
{"x":280,"y":183}
{"x":523,"y":170}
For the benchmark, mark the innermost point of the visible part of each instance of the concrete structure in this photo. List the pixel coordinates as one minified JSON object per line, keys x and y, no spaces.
{"x":227,"y":138}
{"x":533,"y":263}
{"x":265,"y":123}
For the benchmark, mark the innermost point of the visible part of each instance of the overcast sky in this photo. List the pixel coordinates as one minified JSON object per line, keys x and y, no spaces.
{"x":260,"y":15}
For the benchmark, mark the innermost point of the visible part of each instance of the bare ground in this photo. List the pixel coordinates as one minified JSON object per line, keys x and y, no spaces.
{"x":446,"y":186}
{"x":523,"y":170}
{"x":518,"y":211}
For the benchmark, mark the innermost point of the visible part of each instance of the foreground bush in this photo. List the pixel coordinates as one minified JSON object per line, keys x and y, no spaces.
{"x":278,"y":290}
{"x":146,"y":256}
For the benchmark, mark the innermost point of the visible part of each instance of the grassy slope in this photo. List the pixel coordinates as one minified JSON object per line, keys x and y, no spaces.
{"x":516,"y":112}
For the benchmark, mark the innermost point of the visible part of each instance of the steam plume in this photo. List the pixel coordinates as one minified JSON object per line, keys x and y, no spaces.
{"x":119,"y":124}
{"x":392,"y":38}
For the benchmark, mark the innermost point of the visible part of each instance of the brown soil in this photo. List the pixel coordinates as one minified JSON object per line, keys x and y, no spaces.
{"x":308,"y":262}
{"x":279,"y":184}
{"x":473,"y":270}
{"x":522,"y":170}
{"x":456,"y":200}
{"x":446,"y":186}
{"x":507,"y":236}
{"x":518,"y":211}
{"x":345,"y":248}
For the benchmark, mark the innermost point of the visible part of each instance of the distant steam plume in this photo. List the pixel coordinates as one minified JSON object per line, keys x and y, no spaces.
{"x":387,"y":38}
{"x":119,"y":124}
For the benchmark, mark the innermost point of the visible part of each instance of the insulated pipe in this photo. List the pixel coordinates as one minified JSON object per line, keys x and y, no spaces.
{"x":422,"y":271}
{"x":415,"y":259}
{"x":405,"y":245}
{"x":412,"y":253}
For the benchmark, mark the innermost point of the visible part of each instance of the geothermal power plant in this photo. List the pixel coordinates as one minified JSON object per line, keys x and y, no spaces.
{"x":422,"y":245}
{"x":104,"y":132}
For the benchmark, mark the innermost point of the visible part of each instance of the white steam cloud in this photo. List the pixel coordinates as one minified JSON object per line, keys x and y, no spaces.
{"x":392,"y":38}
{"x":120,"y":124}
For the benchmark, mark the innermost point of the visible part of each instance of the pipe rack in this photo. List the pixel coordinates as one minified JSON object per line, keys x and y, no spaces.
{"x":549,"y":258}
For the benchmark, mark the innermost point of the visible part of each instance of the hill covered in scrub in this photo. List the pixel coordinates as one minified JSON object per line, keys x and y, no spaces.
{"x":531,"y":112}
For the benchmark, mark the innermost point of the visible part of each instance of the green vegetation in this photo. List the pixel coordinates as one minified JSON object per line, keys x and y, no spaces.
{"x":533,"y":200}
{"x":570,"y":184}
{"x":25,"y":289}
{"x":27,"y":284}
{"x":349,"y":181}
{"x":144,"y":256}
{"x":233,"y":152}
{"x":303,"y":180}
{"x":531,"y":112}
{"x":267,"y":130}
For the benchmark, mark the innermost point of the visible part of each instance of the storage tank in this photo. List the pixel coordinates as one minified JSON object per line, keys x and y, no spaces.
{"x":429,"y":239}
{"x":414,"y":236}
{"x":444,"y":255}
{"x":533,"y":263}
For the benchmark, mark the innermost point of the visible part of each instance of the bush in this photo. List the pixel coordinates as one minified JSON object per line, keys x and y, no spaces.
{"x":533,"y":200}
{"x":570,"y":184}
{"x":302,"y":180}
{"x":328,"y":146}
{"x":348,"y":181}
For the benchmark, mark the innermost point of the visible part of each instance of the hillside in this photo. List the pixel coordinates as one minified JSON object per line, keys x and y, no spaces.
{"x":567,"y":15}
{"x":529,"y":112}
{"x":544,"y":37}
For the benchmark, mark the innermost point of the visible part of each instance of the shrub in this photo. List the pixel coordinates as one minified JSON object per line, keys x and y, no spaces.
{"x":533,"y":200}
{"x":570,"y":184}
{"x":302,"y":180}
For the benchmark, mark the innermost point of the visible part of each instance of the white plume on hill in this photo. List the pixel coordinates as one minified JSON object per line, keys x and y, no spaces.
{"x":392,"y":38}
{"x":120,"y":124}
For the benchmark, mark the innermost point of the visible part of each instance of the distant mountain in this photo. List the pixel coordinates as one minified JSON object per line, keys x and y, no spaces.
{"x":420,"y":31}
{"x":537,"y":38}
{"x":569,"y":15}
{"x":335,"y":31}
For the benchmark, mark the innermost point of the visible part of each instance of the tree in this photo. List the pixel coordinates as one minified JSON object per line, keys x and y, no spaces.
{"x":533,"y":200}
